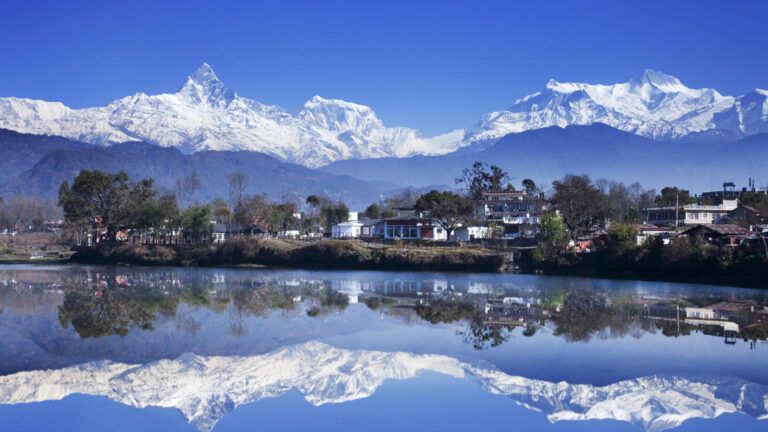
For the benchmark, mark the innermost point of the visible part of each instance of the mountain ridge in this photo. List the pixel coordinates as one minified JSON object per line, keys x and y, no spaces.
{"x":38,"y":170}
{"x":205,"y":114}
{"x":204,"y":389}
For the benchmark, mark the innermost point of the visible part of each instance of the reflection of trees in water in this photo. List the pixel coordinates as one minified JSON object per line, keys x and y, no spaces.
{"x":482,"y":335}
{"x":327,"y":301}
{"x":100,"y":303}
{"x":185,"y":320}
{"x":585,"y":314}
{"x":446,"y":310}
{"x":110,"y":304}
{"x":109,"y":310}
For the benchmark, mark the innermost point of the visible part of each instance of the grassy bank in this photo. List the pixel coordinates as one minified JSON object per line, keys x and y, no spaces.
{"x":327,"y":254}
{"x":30,"y":248}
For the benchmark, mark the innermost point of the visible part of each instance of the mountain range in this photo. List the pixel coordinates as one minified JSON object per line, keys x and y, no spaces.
{"x":205,"y":114}
{"x":651,"y":129}
{"x":204,"y":389}
{"x":599,"y":150}
{"x":36,"y":165}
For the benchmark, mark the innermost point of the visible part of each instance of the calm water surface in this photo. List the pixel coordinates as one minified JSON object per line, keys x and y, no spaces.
{"x":124,"y":348}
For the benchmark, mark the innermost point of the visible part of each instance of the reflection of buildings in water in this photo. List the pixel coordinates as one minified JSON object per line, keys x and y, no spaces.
{"x":480,"y":288}
{"x":411,"y":288}
{"x":504,"y":312}
{"x":352,"y":288}
{"x":722,"y":319}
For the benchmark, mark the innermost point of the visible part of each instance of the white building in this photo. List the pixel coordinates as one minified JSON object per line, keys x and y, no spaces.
{"x":471,"y":233}
{"x":696,"y":214}
{"x":349,"y":229}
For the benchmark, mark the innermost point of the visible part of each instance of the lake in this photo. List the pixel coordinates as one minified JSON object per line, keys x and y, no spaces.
{"x":93,"y":348}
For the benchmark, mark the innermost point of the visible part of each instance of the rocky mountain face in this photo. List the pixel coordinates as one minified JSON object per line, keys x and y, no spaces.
{"x":204,"y":389}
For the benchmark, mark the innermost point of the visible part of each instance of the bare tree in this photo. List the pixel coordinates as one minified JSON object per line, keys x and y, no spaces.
{"x":186,"y":188}
{"x":237,"y":184}
{"x":27,"y":212}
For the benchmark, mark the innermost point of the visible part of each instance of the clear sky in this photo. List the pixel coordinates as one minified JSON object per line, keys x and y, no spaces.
{"x":432,"y":66}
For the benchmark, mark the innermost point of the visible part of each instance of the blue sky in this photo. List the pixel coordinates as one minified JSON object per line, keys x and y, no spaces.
{"x":433,"y":66}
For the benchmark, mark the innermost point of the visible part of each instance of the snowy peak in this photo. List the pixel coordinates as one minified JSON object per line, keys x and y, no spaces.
{"x":205,"y":389}
{"x":662,"y":81}
{"x":339,"y":116}
{"x":205,"y":114}
{"x":204,"y":74}
{"x":652,"y":104}
{"x":204,"y":87}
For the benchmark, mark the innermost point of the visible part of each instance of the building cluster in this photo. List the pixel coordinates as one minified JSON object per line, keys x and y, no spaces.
{"x":718,"y":216}
{"x":506,"y":215}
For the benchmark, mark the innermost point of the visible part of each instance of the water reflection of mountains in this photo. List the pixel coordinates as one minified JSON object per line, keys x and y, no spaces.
{"x":98,"y":303}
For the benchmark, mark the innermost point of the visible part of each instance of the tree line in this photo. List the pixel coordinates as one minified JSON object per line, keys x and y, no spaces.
{"x":114,"y":203}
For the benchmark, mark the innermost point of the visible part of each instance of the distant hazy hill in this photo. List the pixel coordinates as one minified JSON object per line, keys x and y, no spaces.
{"x":36,"y":165}
{"x":18,"y":152}
{"x":598,"y":150}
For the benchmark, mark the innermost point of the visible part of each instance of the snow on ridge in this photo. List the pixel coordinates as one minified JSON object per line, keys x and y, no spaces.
{"x":205,"y":114}
{"x":204,"y":389}
{"x":651,"y":104}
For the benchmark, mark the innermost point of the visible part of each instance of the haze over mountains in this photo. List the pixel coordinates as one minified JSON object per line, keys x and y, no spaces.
{"x":651,"y":129}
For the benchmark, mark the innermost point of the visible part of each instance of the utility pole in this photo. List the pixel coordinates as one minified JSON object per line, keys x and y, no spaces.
{"x":677,"y":208}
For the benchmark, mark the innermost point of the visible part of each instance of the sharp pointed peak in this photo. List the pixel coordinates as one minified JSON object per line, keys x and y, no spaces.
{"x":204,"y":85}
{"x":204,"y":74}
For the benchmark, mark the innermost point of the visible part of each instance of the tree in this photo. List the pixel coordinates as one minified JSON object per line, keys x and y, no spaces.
{"x":373,"y":212}
{"x":257,"y":210}
{"x":186,"y":188}
{"x":333,"y":214}
{"x":621,"y":238}
{"x":102,"y":199}
{"x":283,"y":215}
{"x":237,"y":183}
{"x":530,"y":187}
{"x":313,"y":201}
{"x":671,"y":196}
{"x":446,"y":208}
{"x":480,"y":178}
{"x":579,"y":201}
{"x":406,"y":198}
{"x":196,"y":222}
{"x":27,"y":212}
{"x":553,"y":234}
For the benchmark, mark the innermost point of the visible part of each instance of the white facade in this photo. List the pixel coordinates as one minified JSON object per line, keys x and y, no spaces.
{"x":348,"y":229}
{"x":289,"y":234}
{"x":470,"y":233}
{"x":696,"y":214}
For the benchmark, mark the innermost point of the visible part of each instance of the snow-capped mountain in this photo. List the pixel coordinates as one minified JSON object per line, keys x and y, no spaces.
{"x":205,"y":389}
{"x":749,"y":114}
{"x":207,"y":115}
{"x":651,"y":104}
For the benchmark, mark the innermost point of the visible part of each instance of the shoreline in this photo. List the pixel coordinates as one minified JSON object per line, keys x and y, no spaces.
{"x":323,"y":255}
